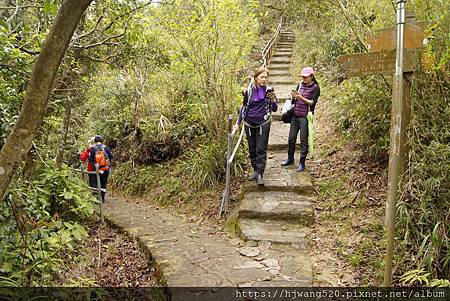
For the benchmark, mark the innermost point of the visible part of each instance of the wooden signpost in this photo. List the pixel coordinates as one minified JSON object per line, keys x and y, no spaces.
{"x":371,"y":63}
{"x":393,"y":50}
{"x":385,"y":38}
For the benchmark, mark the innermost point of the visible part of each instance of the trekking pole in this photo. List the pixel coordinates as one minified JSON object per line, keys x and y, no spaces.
{"x":99,"y":189}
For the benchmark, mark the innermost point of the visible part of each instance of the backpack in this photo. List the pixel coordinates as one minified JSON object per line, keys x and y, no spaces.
{"x":101,"y":158}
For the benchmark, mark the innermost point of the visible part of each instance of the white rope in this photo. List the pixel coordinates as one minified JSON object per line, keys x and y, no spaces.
{"x":230,"y":160}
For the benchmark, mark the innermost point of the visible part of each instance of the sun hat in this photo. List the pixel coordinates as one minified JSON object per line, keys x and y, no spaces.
{"x":307,"y":71}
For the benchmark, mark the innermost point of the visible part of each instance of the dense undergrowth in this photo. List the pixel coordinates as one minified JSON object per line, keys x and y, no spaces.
{"x":41,"y":223}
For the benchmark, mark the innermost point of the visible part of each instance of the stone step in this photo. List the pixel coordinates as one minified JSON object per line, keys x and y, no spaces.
{"x":280,"y":77}
{"x":279,"y":67}
{"x":284,"y":44}
{"x":285,"y":80}
{"x":273,"y":231}
{"x":280,"y":59}
{"x":285,"y":49}
{"x":286,"y":40}
{"x":279,"y":72}
{"x":276,"y":205}
{"x":282,"y":178}
{"x":282,"y":54}
{"x":279,"y":134}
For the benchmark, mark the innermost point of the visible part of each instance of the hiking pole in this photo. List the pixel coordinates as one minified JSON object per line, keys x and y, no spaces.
{"x":99,"y":189}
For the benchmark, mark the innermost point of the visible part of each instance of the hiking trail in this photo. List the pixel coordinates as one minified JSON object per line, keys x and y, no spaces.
{"x":272,"y":220}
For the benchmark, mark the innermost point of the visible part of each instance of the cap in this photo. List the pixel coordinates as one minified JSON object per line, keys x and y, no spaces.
{"x":307,"y":71}
{"x":98,"y":138}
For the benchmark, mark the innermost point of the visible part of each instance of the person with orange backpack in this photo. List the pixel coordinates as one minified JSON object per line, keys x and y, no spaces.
{"x":101,"y":155}
{"x":87,"y":166}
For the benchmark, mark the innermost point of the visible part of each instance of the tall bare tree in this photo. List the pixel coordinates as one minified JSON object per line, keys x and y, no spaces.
{"x":40,"y":86}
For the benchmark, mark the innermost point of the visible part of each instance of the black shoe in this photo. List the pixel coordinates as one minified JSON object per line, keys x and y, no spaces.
{"x":301,"y":167}
{"x":259,"y":180}
{"x":253,"y":177}
{"x":287,"y":162}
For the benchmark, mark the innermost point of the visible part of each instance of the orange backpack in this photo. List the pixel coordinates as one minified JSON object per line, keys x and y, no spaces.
{"x":101,"y":158}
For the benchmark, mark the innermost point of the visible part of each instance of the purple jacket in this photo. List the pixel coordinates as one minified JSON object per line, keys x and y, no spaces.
{"x":257,"y":110}
{"x":311,"y":92}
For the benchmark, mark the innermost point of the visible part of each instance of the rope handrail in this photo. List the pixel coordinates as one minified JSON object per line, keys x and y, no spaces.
{"x":231,"y":154}
{"x":268,"y":48}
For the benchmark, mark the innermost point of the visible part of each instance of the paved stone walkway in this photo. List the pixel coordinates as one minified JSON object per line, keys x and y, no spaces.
{"x":272,"y":221}
{"x":191,"y":255}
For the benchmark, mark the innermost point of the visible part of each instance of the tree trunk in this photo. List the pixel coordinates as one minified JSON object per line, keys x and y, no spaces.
{"x":30,"y":162}
{"x":35,"y":104}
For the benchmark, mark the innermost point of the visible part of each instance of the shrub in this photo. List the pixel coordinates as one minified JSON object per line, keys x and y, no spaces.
{"x":40,"y":225}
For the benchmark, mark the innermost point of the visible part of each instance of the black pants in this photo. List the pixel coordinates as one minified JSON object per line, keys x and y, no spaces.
{"x":298,"y":124}
{"x":258,"y":138}
{"x":103,"y":181}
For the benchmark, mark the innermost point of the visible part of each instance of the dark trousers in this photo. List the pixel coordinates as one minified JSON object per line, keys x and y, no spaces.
{"x":298,"y":124}
{"x":258,"y":138}
{"x":103,"y":181}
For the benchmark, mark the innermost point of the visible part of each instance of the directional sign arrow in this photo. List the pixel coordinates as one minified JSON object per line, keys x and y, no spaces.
{"x":385,"y":38}
{"x":371,"y":63}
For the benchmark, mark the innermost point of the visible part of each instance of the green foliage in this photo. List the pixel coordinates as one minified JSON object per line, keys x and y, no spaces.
{"x":208,"y":41}
{"x":15,"y":66}
{"x":39,"y":223}
{"x":421,"y":277}
{"x":363,"y":113}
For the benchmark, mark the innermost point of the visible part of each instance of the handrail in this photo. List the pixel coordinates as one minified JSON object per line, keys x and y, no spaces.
{"x":266,"y":54}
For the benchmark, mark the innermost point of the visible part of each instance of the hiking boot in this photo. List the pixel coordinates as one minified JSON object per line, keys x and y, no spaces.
{"x":289,"y":161}
{"x":253,"y":177}
{"x":259,"y":180}
{"x":301,"y":167}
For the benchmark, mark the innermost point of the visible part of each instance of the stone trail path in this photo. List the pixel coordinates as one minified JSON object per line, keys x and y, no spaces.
{"x":272,"y":220}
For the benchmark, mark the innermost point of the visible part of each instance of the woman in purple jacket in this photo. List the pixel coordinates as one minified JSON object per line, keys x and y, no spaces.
{"x":259,"y":102}
{"x":305,"y":98}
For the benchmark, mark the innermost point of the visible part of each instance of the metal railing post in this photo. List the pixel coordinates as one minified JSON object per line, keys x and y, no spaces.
{"x":226,"y":193}
{"x":229,"y":146}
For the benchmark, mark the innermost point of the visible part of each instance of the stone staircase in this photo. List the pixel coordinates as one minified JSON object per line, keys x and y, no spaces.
{"x":281,"y":211}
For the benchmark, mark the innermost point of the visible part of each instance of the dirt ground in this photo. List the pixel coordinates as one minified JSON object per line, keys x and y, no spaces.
{"x":348,"y":242}
{"x":110,"y":259}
